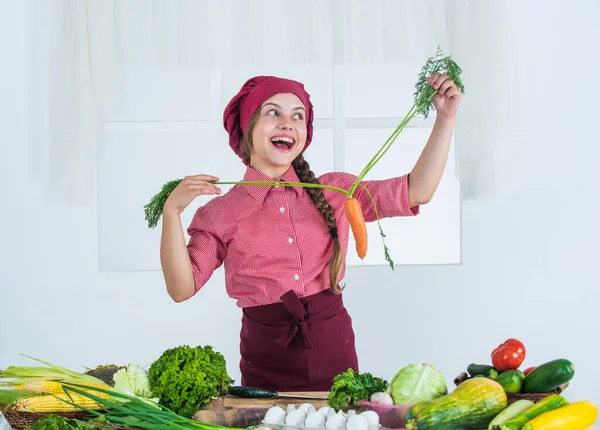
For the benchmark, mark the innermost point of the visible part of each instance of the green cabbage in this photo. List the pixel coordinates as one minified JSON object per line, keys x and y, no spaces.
{"x":417,"y":383}
{"x":133,"y":381}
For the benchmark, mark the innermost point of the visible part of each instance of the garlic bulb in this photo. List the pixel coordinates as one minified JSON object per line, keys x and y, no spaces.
{"x":382,"y":398}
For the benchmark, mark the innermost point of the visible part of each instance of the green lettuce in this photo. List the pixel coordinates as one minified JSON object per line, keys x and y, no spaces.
{"x":133,"y":381}
{"x":417,"y":383}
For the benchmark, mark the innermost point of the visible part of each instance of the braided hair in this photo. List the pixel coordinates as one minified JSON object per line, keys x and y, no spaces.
{"x":306,"y":175}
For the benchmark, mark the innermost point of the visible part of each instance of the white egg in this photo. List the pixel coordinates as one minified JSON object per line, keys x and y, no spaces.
{"x":326,"y":411}
{"x":275,"y":415}
{"x":315,"y":420}
{"x":295,"y":418}
{"x":291,"y":408}
{"x":357,"y":422}
{"x":351,"y":413}
{"x":342,"y":413}
{"x":372,"y":417}
{"x":307,"y":408}
{"x":336,"y":422}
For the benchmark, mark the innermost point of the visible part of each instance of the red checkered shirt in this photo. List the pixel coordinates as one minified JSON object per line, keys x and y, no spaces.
{"x":273,"y":239}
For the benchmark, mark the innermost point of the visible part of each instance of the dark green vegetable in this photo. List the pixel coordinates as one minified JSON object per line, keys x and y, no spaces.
{"x":184,"y":378}
{"x":251,"y":392}
{"x":548,"y":376}
{"x":483,"y":370}
{"x":473,"y":405}
{"x":553,"y":401}
{"x":509,"y":413}
{"x":132,"y":412}
{"x":511,"y":380}
{"x":54,"y":422}
{"x":349,"y":387}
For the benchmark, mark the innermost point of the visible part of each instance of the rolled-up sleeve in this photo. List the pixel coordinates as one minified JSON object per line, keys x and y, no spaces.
{"x":390,"y":196}
{"x":205,"y":247}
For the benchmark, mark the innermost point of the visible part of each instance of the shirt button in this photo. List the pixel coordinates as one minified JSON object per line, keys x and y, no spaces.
{"x":282,"y":209}
{"x":290,"y":240}
{"x":296,"y":277}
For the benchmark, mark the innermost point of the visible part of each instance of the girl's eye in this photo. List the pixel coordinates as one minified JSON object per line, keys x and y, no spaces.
{"x":298,"y":116}
{"x":272,"y":112}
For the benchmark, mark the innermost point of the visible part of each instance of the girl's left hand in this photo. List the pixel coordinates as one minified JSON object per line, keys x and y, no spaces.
{"x":448,"y":97}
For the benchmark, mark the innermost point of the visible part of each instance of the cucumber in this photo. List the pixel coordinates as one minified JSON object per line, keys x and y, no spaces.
{"x":483,"y":370}
{"x":251,"y":392}
{"x":511,"y":381}
{"x":548,"y":376}
{"x":473,"y":404}
{"x":548,"y":403}
{"x":509,"y":413}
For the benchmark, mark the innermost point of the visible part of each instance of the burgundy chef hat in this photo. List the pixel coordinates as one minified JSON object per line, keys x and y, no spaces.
{"x":251,"y":96}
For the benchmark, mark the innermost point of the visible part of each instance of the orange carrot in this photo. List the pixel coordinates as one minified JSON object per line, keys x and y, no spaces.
{"x":357,"y":223}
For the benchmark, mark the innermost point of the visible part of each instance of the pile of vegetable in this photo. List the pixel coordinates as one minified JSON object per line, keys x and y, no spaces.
{"x":349,"y":387}
{"x":176,"y":385}
{"x":422,"y":105}
{"x":504,"y":369}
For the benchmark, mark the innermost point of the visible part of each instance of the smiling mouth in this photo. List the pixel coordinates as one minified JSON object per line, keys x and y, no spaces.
{"x":283,"y":143}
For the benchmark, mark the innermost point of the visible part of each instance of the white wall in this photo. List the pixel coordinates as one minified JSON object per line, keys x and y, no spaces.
{"x":529,"y":252}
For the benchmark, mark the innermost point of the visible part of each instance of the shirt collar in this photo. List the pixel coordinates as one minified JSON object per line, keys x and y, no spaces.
{"x":259,"y":192}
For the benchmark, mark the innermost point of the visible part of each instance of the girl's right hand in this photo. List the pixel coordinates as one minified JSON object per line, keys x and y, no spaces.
{"x":188,"y":189}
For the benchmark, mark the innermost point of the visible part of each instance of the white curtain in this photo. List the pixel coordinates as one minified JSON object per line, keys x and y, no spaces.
{"x":92,"y":40}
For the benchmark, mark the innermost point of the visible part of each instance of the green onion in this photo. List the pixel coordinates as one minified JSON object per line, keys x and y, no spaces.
{"x":134,"y":412}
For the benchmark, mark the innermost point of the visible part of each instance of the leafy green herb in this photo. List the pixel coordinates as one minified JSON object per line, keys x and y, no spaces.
{"x":54,"y":422}
{"x":349,"y":387}
{"x":153,"y":210}
{"x":438,"y":64}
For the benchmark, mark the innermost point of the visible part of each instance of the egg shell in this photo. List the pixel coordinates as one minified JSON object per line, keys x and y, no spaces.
{"x":357,"y":422}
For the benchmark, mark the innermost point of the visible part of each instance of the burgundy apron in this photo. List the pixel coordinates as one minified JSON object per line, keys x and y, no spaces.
{"x":297,"y":345}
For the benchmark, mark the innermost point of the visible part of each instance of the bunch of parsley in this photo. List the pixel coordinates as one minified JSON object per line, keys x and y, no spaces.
{"x":349,"y":387}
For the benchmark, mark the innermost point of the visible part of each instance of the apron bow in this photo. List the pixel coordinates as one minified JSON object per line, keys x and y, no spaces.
{"x":300,"y":320}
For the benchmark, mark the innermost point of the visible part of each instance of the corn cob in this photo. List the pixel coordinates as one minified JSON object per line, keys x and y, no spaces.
{"x":48,"y":403}
{"x":49,"y":387}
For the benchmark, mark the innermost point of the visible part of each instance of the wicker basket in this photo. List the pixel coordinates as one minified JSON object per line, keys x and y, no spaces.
{"x":511,"y":398}
{"x":20,"y":420}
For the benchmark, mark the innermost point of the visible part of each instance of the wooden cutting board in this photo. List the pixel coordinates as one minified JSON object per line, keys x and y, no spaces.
{"x":239,"y":412}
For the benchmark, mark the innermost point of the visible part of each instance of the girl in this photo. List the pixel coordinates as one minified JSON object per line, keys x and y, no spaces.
{"x":284,"y":248}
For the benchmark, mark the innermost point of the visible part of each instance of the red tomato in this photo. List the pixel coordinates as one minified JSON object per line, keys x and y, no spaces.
{"x":528,"y":370}
{"x":509,"y":355}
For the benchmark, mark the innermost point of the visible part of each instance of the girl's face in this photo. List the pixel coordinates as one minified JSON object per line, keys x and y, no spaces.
{"x":278,"y":135}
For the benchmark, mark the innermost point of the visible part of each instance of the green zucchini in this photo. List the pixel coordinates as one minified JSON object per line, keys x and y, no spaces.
{"x":251,"y":392}
{"x":473,"y":404}
{"x":510,"y":412}
{"x":511,"y":381}
{"x":548,"y":376}
{"x":548,"y":403}
{"x":483,"y":370}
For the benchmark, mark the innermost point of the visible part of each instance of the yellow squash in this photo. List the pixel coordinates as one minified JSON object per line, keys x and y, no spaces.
{"x":575,"y":416}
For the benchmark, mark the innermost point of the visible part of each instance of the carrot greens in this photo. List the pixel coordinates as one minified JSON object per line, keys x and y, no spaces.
{"x":423,"y":104}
